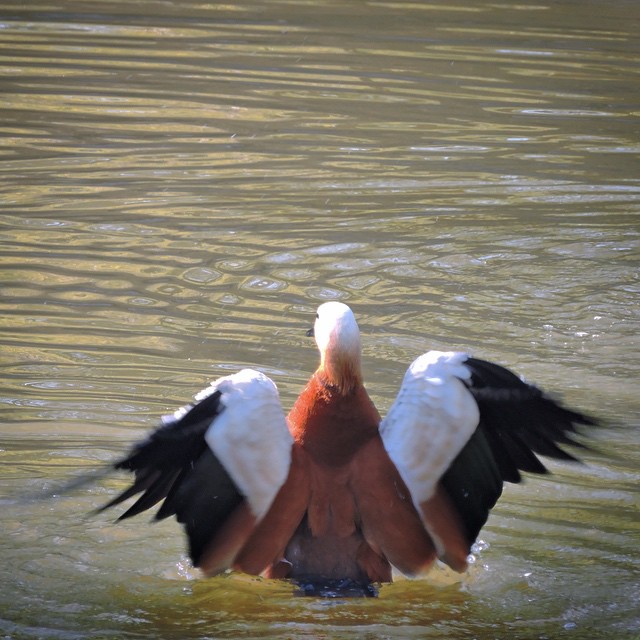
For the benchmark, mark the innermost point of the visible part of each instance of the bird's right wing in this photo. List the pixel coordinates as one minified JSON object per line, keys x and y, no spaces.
{"x":461,"y":427}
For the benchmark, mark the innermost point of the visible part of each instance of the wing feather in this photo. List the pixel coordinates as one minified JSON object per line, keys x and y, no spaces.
{"x":431,"y":420}
{"x":470,"y":425}
{"x":521,"y":417}
{"x":227,"y":453}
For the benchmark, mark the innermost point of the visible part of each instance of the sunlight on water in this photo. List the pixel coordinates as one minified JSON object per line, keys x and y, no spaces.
{"x":183,"y":183}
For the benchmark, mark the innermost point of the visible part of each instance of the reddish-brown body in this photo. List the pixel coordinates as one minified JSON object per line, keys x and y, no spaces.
{"x":344,"y":511}
{"x":319,"y":497}
{"x":359,"y":515}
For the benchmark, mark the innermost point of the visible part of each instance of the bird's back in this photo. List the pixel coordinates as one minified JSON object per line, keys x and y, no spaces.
{"x":332,"y":429}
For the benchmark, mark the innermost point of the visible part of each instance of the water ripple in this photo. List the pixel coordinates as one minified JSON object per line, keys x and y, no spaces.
{"x":182,"y":183}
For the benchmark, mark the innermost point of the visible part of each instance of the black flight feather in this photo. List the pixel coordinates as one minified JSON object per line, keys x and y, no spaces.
{"x":521,"y":417}
{"x":517,"y":421}
{"x":474,"y":484}
{"x":176,"y":465}
{"x":203,"y":501}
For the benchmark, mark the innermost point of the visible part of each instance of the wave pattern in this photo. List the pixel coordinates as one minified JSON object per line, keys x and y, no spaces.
{"x":182,"y":183}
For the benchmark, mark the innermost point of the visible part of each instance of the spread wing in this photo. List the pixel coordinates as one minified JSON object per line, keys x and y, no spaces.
{"x":216,"y":464}
{"x":461,"y":427}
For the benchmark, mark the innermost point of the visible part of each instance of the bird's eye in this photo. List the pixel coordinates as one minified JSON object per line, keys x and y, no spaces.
{"x":317,"y":316}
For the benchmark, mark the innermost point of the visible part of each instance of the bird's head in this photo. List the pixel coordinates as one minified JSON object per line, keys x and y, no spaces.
{"x":338,"y":338}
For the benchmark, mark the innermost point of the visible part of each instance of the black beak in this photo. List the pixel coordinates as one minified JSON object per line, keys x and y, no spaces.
{"x":310,"y":333}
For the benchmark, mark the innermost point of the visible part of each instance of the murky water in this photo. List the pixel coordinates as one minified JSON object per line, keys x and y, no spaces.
{"x":182,"y":183}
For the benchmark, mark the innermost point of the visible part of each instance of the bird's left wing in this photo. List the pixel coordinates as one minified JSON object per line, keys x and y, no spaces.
{"x":461,"y":427}
{"x":218,"y":464}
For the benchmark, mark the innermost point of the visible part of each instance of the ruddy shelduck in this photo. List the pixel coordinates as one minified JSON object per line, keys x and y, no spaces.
{"x":332,"y":492}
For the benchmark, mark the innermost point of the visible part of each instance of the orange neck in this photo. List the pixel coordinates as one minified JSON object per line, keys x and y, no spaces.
{"x":342,"y":371}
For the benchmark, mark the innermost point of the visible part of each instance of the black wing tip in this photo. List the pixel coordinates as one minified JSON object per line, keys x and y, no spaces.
{"x":165,"y":455}
{"x":519,"y":424}
{"x":523,"y":421}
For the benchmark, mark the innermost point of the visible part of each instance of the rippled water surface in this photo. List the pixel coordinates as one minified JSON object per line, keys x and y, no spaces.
{"x":183,"y":182}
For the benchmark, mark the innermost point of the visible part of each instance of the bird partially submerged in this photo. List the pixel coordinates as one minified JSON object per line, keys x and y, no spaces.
{"x":332,"y":492}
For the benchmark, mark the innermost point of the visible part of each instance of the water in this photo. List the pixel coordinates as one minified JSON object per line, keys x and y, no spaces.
{"x":182,"y":184}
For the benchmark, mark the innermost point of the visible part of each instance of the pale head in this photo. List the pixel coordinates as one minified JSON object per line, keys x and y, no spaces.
{"x":338,"y":338}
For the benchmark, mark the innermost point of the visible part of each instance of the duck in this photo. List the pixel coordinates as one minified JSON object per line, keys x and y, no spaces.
{"x":333,"y":491}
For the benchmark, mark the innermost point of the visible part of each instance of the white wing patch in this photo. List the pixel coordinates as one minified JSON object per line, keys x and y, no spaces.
{"x":250,"y":437}
{"x":430,"y":421}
